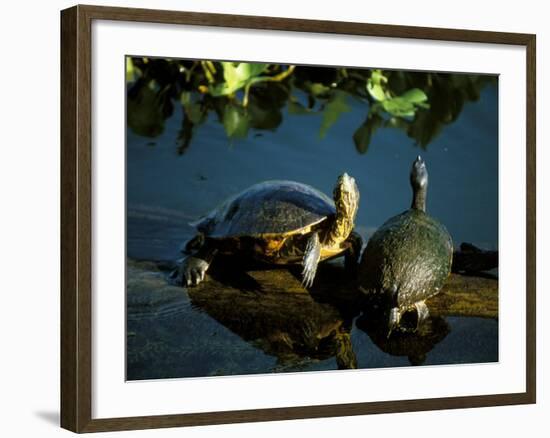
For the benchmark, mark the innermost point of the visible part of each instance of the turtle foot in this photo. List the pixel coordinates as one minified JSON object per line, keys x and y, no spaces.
{"x":311,"y":260}
{"x":308,"y":275}
{"x":422,"y":312}
{"x":192,"y":271}
{"x":395,"y":318}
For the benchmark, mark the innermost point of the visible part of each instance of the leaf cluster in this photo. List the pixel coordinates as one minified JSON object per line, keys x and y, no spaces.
{"x":247,"y":97}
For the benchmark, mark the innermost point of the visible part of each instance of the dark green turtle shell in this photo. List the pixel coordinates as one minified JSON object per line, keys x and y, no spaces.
{"x":409,"y":258}
{"x":268,"y":208}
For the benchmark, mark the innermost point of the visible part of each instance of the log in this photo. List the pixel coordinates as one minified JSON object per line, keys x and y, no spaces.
{"x":471,"y":259}
{"x":462,"y":295}
{"x":467,"y":295}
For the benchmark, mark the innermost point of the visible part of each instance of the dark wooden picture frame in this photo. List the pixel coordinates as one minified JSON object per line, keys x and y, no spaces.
{"x":76,"y":218}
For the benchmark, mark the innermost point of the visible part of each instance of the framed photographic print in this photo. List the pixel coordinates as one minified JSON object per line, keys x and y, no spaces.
{"x":267,"y":218}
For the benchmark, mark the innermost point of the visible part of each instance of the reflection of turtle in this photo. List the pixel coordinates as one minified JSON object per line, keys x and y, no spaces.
{"x":283,"y":322}
{"x":409,"y":257}
{"x":413,"y":345}
{"x":278,"y":222}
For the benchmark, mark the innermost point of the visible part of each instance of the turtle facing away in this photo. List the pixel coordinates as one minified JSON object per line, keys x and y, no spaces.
{"x":278,"y":222}
{"x":409,"y":257}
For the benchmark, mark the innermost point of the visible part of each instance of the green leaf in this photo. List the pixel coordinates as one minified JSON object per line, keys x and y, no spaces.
{"x":363,"y":135}
{"x":415,"y":95}
{"x":377,"y":76}
{"x":132,"y":72}
{"x":263,"y":117}
{"x":231,"y":74}
{"x":144,"y":113}
{"x":235,"y":122}
{"x":425,"y":127}
{"x":376,"y":91}
{"x":317,"y":89}
{"x":193,"y":110}
{"x":399,"y":107}
{"x":185,"y":135}
{"x":332,"y":112}
{"x":185,"y":98}
{"x":375,"y":85}
{"x":252,"y":69}
{"x":220,"y":90}
{"x":236,"y":76}
{"x":406,"y":104}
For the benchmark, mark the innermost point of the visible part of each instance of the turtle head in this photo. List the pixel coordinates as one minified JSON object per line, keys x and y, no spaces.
{"x":419,"y":183}
{"x":346,"y":195}
{"x":419,"y":174}
{"x":346,"y":199}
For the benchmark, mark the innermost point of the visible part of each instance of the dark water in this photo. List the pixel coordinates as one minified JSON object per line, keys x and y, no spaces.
{"x":165,"y":191}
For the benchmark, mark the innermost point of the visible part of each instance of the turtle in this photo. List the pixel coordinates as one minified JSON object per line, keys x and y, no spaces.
{"x":277,"y":222}
{"x":408,"y":258}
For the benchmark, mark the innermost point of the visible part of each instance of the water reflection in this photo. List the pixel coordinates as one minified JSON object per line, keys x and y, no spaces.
{"x":414,"y":345}
{"x":235,"y":323}
{"x":284,"y":322}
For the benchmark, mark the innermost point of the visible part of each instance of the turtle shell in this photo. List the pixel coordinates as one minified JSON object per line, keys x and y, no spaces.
{"x":269,"y":208}
{"x":408,"y":258}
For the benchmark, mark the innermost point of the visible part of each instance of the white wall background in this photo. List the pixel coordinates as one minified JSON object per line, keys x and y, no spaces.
{"x":29,"y":214}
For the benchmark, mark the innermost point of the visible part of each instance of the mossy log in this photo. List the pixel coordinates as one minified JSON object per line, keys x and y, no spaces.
{"x":465,"y":295}
{"x":462,"y":295}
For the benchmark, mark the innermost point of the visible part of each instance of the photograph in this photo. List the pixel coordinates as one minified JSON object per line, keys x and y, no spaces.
{"x":304,"y":218}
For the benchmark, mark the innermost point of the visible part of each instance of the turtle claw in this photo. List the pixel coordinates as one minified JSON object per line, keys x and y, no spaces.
{"x":195,"y":277}
{"x":307,"y":277}
{"x":193,"y":271}
{"x":311,"y":259}
{"x":393,"y":323}
{"x":423,"y":313}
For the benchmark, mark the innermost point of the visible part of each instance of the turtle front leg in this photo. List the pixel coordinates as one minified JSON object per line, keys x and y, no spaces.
{"x":310,"y":261}
{"x":193,"y":268}
{"x":351,"y":258}
{"x":193,"y":245}
{"x":422,"y":313}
